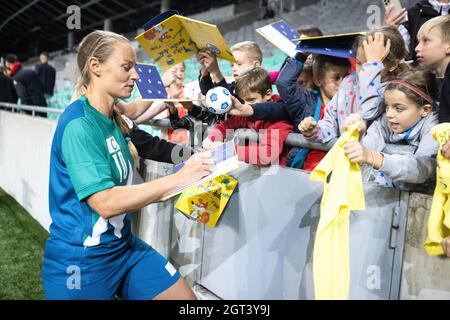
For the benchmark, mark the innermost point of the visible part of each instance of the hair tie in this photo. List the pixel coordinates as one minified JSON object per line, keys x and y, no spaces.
{"x":128,"y":139}
{"x":414,"y":89}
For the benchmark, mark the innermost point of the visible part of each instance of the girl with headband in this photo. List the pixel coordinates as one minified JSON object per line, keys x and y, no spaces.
{"x":407,"y":120}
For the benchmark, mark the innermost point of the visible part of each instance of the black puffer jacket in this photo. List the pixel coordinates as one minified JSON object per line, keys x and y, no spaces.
{"x":47,"y":75}
{"x":29,"y":88}
{"x":417,"y":16}
{"x":154,"y":148}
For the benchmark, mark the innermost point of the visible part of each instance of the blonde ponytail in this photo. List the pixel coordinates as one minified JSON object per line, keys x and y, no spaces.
{"x":126,"y":133}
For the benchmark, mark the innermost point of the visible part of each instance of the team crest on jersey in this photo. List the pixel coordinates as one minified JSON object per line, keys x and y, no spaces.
{"x":114,"y":151}
{"x":112,"y":144}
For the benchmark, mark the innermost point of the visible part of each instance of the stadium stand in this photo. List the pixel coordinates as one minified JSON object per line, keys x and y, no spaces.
{"x":321,"y":13}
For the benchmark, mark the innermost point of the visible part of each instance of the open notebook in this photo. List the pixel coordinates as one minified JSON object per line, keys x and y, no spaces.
{"x":225,"y":160}
{"x":281,"y":35}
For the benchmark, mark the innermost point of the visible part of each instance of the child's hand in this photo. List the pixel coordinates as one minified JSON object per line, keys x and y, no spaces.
{"x":173,"y":107}
{"x":188,"y":105}
{"x":353,"y":118}
{"x":239,"y":109}
{"x":208,"y":60}
{"x":395,"y":20}
{"x":375,"y":49}
{"x":446,"y":246}
{"x":446,"y":150}
{"x":357,"y":153}
{"x":308,"y":127}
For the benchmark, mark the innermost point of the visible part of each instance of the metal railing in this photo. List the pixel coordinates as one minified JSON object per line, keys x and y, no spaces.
{"x":197,"y":129}
{"x":293,"y":140}
{"x":16,"y":108}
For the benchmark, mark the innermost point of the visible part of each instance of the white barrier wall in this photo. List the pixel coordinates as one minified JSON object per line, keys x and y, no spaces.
{"x":25,"y":144}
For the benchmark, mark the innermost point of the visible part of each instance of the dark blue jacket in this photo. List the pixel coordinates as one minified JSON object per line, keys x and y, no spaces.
{"x":297,"y":103}
{"x":7,"y":91}
{"x":444,"y":106}
{"x":29,"y":88}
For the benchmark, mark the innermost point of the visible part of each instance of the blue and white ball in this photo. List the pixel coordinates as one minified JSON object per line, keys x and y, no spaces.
{"x":218,"y":100}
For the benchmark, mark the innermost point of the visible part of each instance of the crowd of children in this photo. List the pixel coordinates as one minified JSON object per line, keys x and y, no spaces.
{"x":389,"y":101}
{"x":396,"y":100}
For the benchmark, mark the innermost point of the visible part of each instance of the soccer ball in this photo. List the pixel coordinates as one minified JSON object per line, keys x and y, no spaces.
{"x":218,"y":100}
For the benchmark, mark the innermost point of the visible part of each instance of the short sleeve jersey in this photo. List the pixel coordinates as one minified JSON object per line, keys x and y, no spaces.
{"x":89,"y":154}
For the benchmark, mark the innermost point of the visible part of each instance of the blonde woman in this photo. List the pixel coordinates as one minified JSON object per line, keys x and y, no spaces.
{"x":91,"y":252}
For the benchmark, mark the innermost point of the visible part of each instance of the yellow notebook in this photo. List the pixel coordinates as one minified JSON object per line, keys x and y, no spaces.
{"x":205,"y":202}
{"x":177,"y":38}
{"x":225,"y":160}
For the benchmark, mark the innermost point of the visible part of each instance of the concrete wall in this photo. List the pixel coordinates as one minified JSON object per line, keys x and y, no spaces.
{"x":25,"y":144}
{"x":423,"y":277}
{"x":185,"y":241}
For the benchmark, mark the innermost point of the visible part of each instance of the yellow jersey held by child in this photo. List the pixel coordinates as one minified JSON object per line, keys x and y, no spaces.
{"x":439,"y":219}
{"x":343,"y":192}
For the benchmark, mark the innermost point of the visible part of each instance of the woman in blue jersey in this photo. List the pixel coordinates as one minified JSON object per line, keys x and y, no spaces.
{"x":91,"y":252}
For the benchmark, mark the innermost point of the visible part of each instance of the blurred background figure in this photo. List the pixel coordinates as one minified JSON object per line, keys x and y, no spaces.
{"x":47,"y":75}
{"x":27,"y":84}
{"x":7,"y":91}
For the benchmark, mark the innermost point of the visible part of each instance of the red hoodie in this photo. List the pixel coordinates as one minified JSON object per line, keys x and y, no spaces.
{"x":14,"y":68}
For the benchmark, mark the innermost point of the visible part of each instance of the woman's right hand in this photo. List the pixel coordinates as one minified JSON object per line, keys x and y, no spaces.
{"x":308,"y":127}
{"x":198,"y":166}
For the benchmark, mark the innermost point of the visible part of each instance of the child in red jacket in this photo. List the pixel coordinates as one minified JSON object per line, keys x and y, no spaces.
{"x":255,"y":86}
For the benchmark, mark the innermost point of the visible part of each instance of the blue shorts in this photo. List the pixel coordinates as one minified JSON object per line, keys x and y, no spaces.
{"x":138,"y":279}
